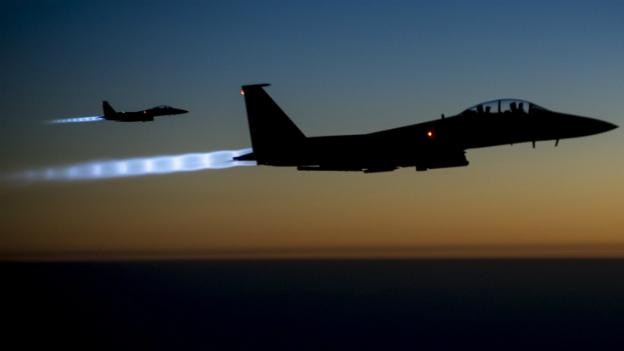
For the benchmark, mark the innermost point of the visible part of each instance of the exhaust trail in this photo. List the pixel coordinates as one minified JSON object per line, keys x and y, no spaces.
{"x":135,"y":167}
{"x":76,"y":120}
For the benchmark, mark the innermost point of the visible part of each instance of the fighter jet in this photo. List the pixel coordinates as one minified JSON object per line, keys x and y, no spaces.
{"x":139,"y":116}
{"x":276,"y":140}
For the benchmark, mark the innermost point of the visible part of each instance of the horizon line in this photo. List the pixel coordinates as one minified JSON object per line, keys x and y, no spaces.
{"x":525,"y":251}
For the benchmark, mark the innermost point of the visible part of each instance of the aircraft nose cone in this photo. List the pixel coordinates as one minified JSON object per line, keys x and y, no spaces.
{"x":589,"y":126}
{"x":181,"y":111}
{"x":576,"y":126}
{"x":610,"y":126}
{"x":603,"y":126}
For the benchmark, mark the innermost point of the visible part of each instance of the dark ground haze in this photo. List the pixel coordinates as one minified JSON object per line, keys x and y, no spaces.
{"x":320,"y":305}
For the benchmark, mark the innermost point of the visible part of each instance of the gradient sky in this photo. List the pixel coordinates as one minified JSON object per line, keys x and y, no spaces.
{"x":336,"y":67}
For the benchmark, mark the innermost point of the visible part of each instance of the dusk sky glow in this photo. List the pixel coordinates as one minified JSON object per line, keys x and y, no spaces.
{"x":336,"y":68}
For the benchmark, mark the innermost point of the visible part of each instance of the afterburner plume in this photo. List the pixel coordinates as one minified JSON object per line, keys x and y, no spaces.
{"x":77,"y":120}
{"x":142,"y":166}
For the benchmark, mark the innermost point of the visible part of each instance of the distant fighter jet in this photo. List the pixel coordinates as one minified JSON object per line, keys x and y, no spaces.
{"x":139,"y":116}
{"x":276,"y":140}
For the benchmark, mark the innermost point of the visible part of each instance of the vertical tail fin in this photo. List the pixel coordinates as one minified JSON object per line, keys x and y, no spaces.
{"x":108,"y":109}
{"x":274,"y":137}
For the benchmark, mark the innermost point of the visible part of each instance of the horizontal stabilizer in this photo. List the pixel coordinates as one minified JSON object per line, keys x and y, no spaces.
{"x":246,"y":157}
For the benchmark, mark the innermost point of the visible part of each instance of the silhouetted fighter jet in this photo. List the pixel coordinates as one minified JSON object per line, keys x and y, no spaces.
{"x":139,"y":116}
{"x":276,"y":140}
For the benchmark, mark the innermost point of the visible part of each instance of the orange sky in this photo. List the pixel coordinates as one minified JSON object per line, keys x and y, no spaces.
{"x":510,"y":201}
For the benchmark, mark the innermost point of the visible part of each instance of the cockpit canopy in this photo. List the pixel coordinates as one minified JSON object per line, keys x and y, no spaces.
{"x":503,"y":106}
{"x":163,"y":107}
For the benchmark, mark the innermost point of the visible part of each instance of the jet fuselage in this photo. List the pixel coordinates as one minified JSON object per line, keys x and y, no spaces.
{"x":428,"y":145}
{"x":139,"y":116}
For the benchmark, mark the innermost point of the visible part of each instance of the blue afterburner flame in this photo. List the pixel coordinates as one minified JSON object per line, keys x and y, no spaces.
{"x":133,"y":167}
{"x":77,"y":119}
